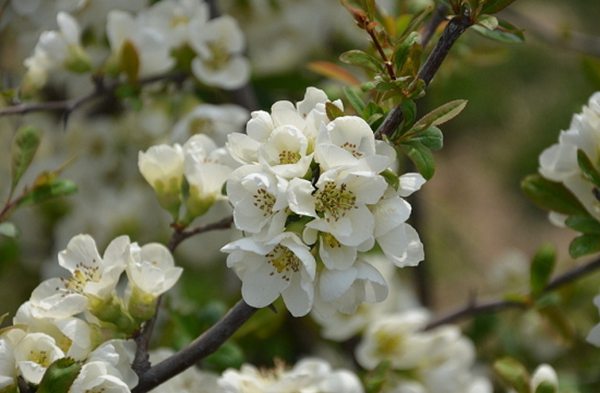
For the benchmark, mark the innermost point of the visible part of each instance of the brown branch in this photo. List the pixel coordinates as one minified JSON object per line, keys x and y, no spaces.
{"x":198,"y":349}
{"x":476,"y":308}
{"x":452,"y":32}
{"x":179,"y":236}
{"x":70,"y":105}
{"x":386,"y":61}
{"x":436,"y":20}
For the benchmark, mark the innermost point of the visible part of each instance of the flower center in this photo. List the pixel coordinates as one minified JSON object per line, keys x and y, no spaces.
{"x":284,"y":261}
{"x":329,"y":240}
{"x":179,"y":19}
{"x":289,"y":157}
{"x":388,"y":343}
{"x":264,"y":201}
{"x":351,"y":147}
{"x":220,"y":56}
{"x":81,"y":276}
{"x":39,"y":357}
{"x":333,"y":201}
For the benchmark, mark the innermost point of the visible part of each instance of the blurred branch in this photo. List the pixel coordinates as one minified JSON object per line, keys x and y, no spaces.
{"x":451,"y":33}
{"x":475,"y":308}
{"x":571,"y":40}
{"x":198,"y":349}
{"x":68,"y":106}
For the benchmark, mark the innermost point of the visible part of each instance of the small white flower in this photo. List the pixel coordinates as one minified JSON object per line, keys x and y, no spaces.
{"x":219,"y":44}
{"x":152,"y":269}
{"x":282,"y":266}
{"x":150,"y":44}
{"x":91,"y":277}
{"x":172,"y":17}
{"x":96,"y":377}
{"x":285,"y":152}
{"x":34,"y":353}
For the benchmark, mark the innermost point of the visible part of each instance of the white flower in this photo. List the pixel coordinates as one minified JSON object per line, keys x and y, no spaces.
{"x":117,"y":356}
{"x":34,"y":353}
{"x":215,"y":121}
{"x":8,"y":366}
{"x":282,"y":266}
{"x":559,"y":162}
{"x":92,"y":277}
{"x":285,"y":152}
{"x":96,"y":377}
{"x":544,"y":373}
{"x":258,"y":199}
{"x":151,"y":45}
{"x":206,"y":172}
{"x":151,"y":272}
{"x":219,"y":44}
{"x":338,"y":203}
{"x":172,"y":17}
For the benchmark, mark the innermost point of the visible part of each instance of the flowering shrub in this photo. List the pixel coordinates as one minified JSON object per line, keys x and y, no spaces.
{"x":317,"y":202}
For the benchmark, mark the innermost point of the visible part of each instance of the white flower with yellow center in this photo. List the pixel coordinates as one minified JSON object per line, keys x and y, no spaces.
{"x":34,"y":353}
{"x":338,"y":202}
{"x":162,"y":166}
{"x":151,"y":46}
{"x":219,"y":44}
{"x":559,"y":161}
{"x":282,"y":266}
{"x":206,"y":171}
{"x":285,"y":152}
{"x":93,"y":278}
{"x":258,"y":199}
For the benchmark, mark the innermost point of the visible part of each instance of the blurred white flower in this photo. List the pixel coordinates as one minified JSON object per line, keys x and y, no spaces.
{"x":172,"y":17}
{"x":214,"y":121}
{"x":218,"y":44}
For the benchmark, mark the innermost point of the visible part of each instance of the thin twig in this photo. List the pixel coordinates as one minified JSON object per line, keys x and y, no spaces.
{"x":179,"y":236}
{"x":70,"y":105}
{"x":452,"y":32}
{"x":386,"y":61}
{"x":198,"y":349}
{"x":476,"y":308}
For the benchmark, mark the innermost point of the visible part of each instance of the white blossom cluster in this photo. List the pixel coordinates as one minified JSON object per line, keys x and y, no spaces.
{"x":559,"y":161}
{"x":311,"y":197}
{"x":439,"y":360}
{"x":148,"y":43}
{"x":84,"y":317}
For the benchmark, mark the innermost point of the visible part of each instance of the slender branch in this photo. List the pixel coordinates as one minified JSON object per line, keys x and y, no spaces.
{"x":388,"y":64}
{"x":198,"y":349}
{"x":452,"y":32}
{"x":570,"y":40}
{"x":436,"y":20}
{"x":70,"y":105}
{"x":179,"y":236}
{"x":476,"y":308}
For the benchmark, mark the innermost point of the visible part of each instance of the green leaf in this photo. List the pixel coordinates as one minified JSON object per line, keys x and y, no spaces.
{"x":229,"y":355}
{"x":9,"y":229}
{"x":584,"y":224}
{"x":513,"y":373}
{"x":590,"y":173}
{"x":391,"y":178}
{"x":333,"y":112}
{"x":440,"y":115}
{"x":542,"y":266}
{"x":432,"y":137}
{"x":402,"y":51}
{"x":45,"y":191}
{"x":416,"y":21}
{"x":362,"y":59}
{"x":421,"y":156}
{"x":584,"y":245}
{"x":488,"y":21}
{"x":546,"y":387}
{"x":493,"y":6}
{"x":375,"y":380}
{"x":355,"y":100}
{"x":130,"y":61}
{"x":25,"y":144}
{"x":59,"y":376}
{"x":551,"y":195}
{"x":505,"y":33}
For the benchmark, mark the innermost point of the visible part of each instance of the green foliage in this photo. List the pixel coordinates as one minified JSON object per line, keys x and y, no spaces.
{"x":229,"y":355}
{"x":59,"y":376}
{"x":332,"y":111}
{"x":421,"y":156}
{"x":24,"y":147}
{"x":440,"y":115}
{"x":584,"y":224}
{"x":504,"y":32}
{"x":391,"y":178}
{"x":513,"y":374}
{"x":551,"y":195}
{"x":47,"y":189}
{"x":355,"y":100}
{"x":584,"y":245}
{"x":542,"y":266}
{"x":362,"y":59}
{"x":375,"y":381}
{"x":589,"y":171}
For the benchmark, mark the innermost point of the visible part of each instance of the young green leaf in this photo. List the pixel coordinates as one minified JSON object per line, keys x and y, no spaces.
{"x":421,"y":156}
{"x":584,"y":224}
{"x":432,"y":137}
{"x":441,"y":114}
{"x":362,"y":59}
{"x":493,"y":6}
{"x":488,"y":21}
{"x":403,"y":50}
{"x":590,"y":172}
{"x":513,"y":373}
{"x":505,"y":33}
{"x":391,"y":178}
{"x":59,"y":376}
{"x":332,"y":111}
{"x":9,"y":229}
{"x":542,"y":266}
{"x":355,"y":100}
{"x":24,"y":147}
{"x":584,"y":245}
{"x":51,"y":189}
{"x":551,"y":195}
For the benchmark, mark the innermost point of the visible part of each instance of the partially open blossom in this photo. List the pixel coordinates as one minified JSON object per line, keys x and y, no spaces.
{"x":34,"y":353}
